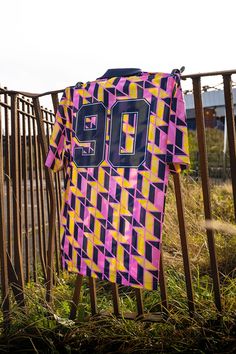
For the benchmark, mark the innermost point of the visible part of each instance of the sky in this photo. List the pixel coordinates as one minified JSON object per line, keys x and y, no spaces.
{"x":50,"y":44}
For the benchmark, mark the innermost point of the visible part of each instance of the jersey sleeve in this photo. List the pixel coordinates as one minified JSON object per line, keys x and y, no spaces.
{"x":56,"y":149}
{"x":177,"y":155}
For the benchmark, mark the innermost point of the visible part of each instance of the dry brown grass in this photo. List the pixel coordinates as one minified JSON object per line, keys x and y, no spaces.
{"x":222,"y":224}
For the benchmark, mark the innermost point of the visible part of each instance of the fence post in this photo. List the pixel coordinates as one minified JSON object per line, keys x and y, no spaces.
{"x":229,"y":108}
{"x":52,"y":216}
{"x":3,"y":242}
{"x":205,"y":186}
{"x":184,"y":244}
{"x":18,"y":263}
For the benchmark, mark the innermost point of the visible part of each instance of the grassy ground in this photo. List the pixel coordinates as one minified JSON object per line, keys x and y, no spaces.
{"x":215,"y":146}
{"x":45,"y":329}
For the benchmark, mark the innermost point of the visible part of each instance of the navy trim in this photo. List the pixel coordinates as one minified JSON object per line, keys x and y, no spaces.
{"x":118,"y":72}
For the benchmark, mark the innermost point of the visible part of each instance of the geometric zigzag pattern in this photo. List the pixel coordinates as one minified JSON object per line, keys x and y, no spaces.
{"x":112,"y":216}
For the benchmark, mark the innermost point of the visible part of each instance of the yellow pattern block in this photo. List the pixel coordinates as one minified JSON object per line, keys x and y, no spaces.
{"x":149,"y":222}
{"x":155,"y":165}
{"x":148,"y":280}
{"x":100,"y":93}
{"x":132,"y":90}
{"x":160,"y":109}
{"x":129,"y":144}
{"x":145,"y":188}
{"x":101,"y":176}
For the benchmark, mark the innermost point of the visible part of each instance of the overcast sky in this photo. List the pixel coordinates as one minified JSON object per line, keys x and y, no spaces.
{"x":51,"y":44}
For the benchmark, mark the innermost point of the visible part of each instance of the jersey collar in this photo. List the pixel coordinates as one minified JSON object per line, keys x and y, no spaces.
{"x":118,"y":72}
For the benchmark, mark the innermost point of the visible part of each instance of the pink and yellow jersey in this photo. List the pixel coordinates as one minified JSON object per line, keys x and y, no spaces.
{"x":119,"y":138}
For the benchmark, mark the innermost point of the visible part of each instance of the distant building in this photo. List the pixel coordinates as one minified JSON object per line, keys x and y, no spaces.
{"x":214,"y":109}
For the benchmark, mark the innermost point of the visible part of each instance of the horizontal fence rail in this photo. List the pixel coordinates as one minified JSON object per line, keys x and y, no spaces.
{"x":31,"y":199}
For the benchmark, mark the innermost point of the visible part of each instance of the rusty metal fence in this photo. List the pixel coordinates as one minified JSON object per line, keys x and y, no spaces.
{"x":30,"y":201}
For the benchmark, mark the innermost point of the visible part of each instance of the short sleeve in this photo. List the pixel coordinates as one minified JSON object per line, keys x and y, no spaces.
{"x":177,"y":153}
{"x":56,"y":150}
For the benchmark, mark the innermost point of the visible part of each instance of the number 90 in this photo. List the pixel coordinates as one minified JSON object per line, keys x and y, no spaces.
{"x":89,"y":127}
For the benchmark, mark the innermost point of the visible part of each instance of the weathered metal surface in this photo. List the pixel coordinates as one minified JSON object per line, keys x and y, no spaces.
{"x":18,"y":264}
{"x":184,"y":244}
{"x":3,"y":243}
{"x":201,"y":137}
{"x":230,"y":119}
{"x":52,"y":209}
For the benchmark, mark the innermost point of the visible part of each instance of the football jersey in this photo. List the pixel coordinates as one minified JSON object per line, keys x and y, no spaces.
{"x":119,"y":139}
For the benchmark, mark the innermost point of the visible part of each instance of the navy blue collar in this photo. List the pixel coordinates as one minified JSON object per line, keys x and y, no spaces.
{"x":118,"y":72}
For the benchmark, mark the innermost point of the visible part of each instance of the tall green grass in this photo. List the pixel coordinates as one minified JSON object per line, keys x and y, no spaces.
{"x":214,"y":145}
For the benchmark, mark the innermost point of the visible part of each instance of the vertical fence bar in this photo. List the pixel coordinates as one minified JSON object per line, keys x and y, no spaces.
{"x":93,"y":297}
{"x":16,"y":220}
{"x":47,"y":142}
{"x":19,"y":171}
{"x":31,"y":176}
{"x":57,"y":234}
{"x":163,"y":291}
{"x":205,"y":186}
{"x":76,"y":296}
{"x":55,"y":102}
{"x":48,"y":132}
{"x":115,"y":297}
{"x":229,"y":108}
{"x":42,"y":205}
{"x":52,"y":215}
{"x":139,"y":301}
{"x":3,"y":242}
{"x":184,"y":243}
{"x":25,"y":179}
{"x":8,"y":173}
{"x":37,"y":167}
